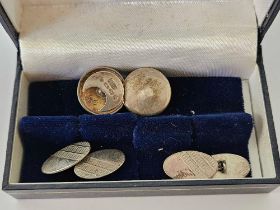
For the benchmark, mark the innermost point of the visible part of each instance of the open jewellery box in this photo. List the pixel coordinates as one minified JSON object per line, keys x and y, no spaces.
{"x":211,"y":53}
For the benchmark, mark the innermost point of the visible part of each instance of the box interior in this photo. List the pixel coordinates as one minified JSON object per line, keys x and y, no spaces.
{"x":259,"y":147}
{"x":190,"y":122}
{"x":61,"y":40}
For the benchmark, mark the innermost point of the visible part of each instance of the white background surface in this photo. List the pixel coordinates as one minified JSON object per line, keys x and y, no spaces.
{"x":271,"y":48}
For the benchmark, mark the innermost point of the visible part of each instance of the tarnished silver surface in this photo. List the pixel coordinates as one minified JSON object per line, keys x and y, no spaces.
{"x":100,"y":163}
{"x":147,"y":91}
{"x":66,"y":158}
{"x":190,"y":165}
{"x":101,"y":91}
{"x":235,"y":166}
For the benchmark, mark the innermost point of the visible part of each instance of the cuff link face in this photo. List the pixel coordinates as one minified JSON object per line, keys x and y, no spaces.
{"x":190,"y":165}
{"x":66,"y":158}
{"x":145,"y":91}
{"x":100,"y":163}
{"x":198,"y":165}
{"x":101,"y":91}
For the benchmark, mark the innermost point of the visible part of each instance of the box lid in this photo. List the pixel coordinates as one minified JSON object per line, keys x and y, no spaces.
{"x":270,"y":14}
{"x":8,"y":26}
{"x":266,"y":11}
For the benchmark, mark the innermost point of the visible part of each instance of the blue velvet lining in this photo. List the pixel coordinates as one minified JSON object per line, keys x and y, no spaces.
{"x":41,"y":137}
{"x":226,"y":133}
{"x":201,"y":95}
{"x":219,"y":125}
{"x":156,"y":138}
{"x":112,"y":131}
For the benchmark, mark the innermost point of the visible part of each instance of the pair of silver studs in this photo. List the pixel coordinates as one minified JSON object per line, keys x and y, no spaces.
{"x":145,"y":91}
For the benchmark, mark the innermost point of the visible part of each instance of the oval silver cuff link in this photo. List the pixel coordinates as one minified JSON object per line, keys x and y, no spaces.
{"x":66,"y":158}
{"x":100,"y":163}
{"x":232,"y":166}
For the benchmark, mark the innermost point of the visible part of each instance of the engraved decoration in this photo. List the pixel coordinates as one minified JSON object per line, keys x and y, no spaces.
{"x":66,"y":158}
{"x":147,"y":91}
{"x":190,"y":165}
{"x":100,"y":163}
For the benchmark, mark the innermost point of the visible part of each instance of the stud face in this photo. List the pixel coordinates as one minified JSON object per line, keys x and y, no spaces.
{"x":100,"y":163}
{"x":235,"y":166}
{"x":190,"y":165}
{"x":147,"y":92}
{"x":66,"y":158}
{"x":101,"y":91}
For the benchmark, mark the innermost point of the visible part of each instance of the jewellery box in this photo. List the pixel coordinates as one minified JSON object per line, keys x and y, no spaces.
{"x":209,"y":50}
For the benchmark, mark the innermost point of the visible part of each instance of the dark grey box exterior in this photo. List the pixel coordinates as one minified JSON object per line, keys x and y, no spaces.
{"x":142,"y":188}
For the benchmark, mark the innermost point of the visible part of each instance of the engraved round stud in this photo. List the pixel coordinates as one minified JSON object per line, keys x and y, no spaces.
{"x":101,"y":91}
{"x":234,"y":166}
{"x":147,"y":92}
{"x":190,"y":165}
{"x":66,"y":158}
{"x":100,"y":163}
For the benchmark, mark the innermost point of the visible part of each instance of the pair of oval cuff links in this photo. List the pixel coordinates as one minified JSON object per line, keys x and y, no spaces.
{"x":145,"y":91}
{"x":198,"y":165}
{"x":86,"y":165}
